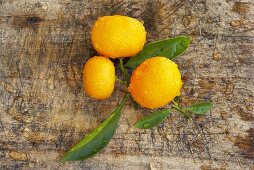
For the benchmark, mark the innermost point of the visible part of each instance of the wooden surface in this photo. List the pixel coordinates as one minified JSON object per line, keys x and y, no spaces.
{"x":43,"y":110}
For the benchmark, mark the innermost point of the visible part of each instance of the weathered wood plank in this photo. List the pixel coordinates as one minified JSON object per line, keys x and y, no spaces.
{"x":44,"y":110}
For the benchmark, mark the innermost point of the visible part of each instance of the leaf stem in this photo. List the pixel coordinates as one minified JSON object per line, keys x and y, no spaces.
{"x":175,"y":103}
{"x":176,"y":107}
{"x":124,"y":72}
{"x":124,"y":100}
{"x":120,"y":81}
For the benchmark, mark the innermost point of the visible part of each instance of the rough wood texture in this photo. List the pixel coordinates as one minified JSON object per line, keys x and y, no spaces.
{"x":44,"y":111}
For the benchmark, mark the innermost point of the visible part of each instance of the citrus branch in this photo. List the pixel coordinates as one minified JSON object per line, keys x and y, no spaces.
{"x":181,"y":110}
{"x":124,"y":71}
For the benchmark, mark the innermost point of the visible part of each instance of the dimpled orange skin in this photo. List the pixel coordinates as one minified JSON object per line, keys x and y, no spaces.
{"x":155,"y":82}
{"x":99,"y":77}
{"x":118,"y":36}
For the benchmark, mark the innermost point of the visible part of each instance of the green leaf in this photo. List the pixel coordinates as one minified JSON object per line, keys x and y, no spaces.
{"x":152,"y":119}
{"x":98,"y":138}
{"x":169,"y":48}
{"x":200,"y":108}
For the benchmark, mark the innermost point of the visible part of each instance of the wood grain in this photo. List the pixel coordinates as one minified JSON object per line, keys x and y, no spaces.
{"x":44,"y":110}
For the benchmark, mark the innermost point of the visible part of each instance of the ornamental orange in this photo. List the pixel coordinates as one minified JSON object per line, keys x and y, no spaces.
{"x":155,"y":82}
{"x":118,"y":36}
{"x":99,"y":77}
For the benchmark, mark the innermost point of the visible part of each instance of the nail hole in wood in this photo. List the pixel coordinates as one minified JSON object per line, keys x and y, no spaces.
{"x":33,"y":20}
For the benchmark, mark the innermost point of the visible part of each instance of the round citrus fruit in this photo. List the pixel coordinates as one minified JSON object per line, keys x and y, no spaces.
{"x":118,"y":36}
{"x":99,"y":77}
{"x":155,"y":82}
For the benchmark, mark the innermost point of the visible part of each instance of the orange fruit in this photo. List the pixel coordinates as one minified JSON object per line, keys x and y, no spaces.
{"x":99,"y":77}
{"x":155,"y":82}
{"x":118,"y":36}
